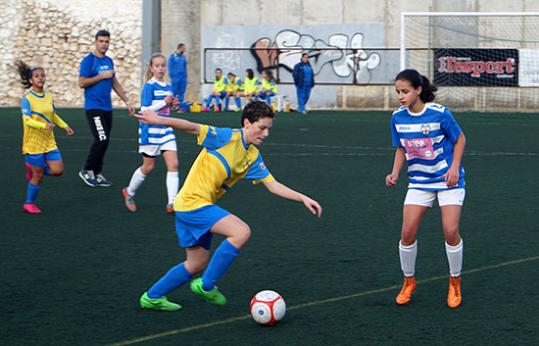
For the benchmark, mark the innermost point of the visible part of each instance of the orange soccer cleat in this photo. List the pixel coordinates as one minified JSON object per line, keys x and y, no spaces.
{"x":454,"y":298}
{"x":408,"y":288}
{"x":129,"y":201}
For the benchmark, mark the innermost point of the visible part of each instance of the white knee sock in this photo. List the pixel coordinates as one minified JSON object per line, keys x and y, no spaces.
{"x":136,"y":180}
{"x":408,"y":255}
{"x":173,"y":182}
{"x":454,"y":257}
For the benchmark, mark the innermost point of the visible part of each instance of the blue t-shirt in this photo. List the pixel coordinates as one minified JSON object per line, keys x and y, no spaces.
{"x":97,"y":96}
{"x":428,"y":140}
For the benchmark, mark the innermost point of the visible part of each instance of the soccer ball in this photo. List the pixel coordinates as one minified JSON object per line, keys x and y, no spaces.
{"x":268,"y":307}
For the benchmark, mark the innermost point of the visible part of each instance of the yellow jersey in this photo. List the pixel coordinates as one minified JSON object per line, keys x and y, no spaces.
{"x":233,"y":86}
{"x":220,"y":85}
{"x":269,"y":86}
{"x":223,"y":161}
{"x":250,"y":85}
{"x":37,"y":111}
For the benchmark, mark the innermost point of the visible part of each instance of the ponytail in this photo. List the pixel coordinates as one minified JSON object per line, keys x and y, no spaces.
{"x":417,"y":80}
{"x":25,"y":72}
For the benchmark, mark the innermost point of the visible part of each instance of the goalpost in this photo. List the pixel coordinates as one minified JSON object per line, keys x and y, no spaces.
{"x":480,"y":60}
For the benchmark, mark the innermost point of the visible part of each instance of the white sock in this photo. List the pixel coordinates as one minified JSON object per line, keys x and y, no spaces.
{"x":136,"y":180}
{"x":408,"y":255}
{"x":173,"y":183}
{"x":454,"y":257}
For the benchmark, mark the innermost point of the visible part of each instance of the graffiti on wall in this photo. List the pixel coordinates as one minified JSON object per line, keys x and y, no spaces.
{"x":341,"y":54}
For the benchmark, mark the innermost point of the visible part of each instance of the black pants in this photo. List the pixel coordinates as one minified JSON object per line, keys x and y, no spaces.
{"x":100,"y":124}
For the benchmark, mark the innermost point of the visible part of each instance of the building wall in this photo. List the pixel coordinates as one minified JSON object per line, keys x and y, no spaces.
{"x":58,"y":34}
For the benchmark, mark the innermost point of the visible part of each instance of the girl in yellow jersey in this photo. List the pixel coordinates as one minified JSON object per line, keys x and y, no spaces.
{"x":268,"y":88}
{"x":227,"y":156}
{"x":219,"y":91}
{"x":232,"y":90}
{"x":250,"y":85}
{"x":38,"y":145}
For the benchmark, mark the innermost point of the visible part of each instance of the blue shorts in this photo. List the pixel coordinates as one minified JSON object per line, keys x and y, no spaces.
{"x":40,"y":160}
{"x":193,"y":227}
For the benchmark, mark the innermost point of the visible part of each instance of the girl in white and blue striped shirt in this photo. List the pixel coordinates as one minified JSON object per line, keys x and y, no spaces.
{"x":155,"y":140}
{"x":429,"y":140}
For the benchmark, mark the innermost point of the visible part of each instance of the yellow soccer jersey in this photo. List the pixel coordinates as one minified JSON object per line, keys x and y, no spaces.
{"x":223,"y":161}
{"x":269,"y":86}
{"x":233,"y":86}
{"x":250,"y":85}
{"x":37,"y":111}
{"x":220,"y":85}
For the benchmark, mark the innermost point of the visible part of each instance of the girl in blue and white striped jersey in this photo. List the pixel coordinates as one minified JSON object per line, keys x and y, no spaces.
{"x":155,"y":140}
{"x":429,"y":140}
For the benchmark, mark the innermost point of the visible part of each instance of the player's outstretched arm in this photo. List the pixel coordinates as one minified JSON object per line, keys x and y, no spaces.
{"x":391,"y":178}
{"x":150,"y":117}
{"x":284,"y":191}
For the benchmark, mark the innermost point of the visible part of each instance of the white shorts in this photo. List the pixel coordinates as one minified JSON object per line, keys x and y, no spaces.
{"x":155,"y":149}
{"x":426,"y":198}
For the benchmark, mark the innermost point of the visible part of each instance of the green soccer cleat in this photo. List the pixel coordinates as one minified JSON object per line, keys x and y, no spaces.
{"x":161,"y":304}
{"x":213,"y":297}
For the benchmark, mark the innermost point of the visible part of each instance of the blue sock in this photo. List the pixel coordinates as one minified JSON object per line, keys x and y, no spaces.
{"x":218,"y":102}
{"x":219,"y":263}
{"x":174,"y":278}
{"x":31,"y":194}
{"x":227,"y":102}
{"x":208,"y":101}
{"x":47,"y":171}
{"x":238,"y":102}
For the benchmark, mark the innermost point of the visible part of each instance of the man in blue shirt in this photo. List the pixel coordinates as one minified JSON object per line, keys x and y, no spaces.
{"x":97,"y":78}
{"x":304,"y":81}
{"x":177,"y":70}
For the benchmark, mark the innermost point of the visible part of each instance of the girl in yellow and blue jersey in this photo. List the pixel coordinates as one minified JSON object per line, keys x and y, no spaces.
{"x":250,"y":85}
{"x":268,"y":87}
{"x":219,"y":91}
{"x":227,"y":156}
{"x":232,"y":90}
{"x":39,"y":117}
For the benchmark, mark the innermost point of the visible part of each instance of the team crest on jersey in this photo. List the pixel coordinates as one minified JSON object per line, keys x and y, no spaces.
{"x":425,"y":129}
{"x":213,"y":131}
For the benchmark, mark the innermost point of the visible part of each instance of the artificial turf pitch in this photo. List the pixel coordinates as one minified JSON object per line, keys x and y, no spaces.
{"x":73,"y":275}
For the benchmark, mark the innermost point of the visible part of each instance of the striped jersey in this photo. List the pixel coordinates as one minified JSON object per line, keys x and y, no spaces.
{"x":428,"y":139}
{"x":152,"y":98}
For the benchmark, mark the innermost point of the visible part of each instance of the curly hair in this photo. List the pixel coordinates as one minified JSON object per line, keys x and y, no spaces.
{"x":256,"y":110}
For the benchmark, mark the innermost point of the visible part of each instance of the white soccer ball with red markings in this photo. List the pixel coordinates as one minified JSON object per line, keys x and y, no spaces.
{"x":268,"y":307}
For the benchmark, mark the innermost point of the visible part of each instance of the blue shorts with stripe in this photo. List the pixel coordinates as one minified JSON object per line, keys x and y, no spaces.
{"x":40,"y":160}
{"x":193,"y":227}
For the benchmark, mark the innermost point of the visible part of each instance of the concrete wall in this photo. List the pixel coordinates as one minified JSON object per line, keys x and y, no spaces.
{"x":58,"y":33}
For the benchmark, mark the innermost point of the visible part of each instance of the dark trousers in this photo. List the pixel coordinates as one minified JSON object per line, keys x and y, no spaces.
{"x":100,"y":124}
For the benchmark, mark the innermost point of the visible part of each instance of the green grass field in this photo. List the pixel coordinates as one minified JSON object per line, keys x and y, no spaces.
{"x":73,"y":275}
